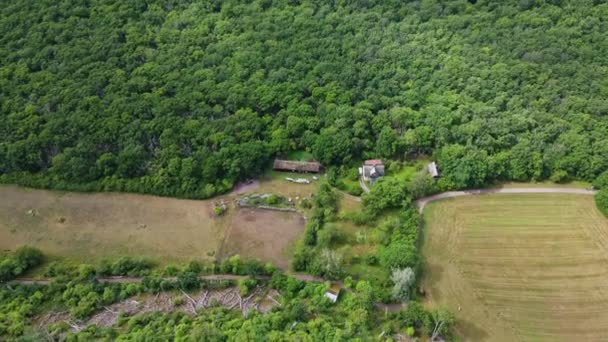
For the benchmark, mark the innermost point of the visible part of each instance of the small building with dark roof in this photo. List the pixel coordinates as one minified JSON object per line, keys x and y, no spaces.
{"x":297,"y":166}
{"x":372,"y":170}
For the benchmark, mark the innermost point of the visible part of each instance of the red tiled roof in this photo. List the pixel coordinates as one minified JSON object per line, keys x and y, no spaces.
{"x":373,"y":162}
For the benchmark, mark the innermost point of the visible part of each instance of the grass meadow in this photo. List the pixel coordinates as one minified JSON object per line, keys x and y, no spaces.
{"x":89,"y":227}
{"x":530,"y":267}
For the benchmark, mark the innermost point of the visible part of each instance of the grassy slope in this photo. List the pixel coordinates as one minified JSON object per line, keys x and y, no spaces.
{"x":109,"y":225}
{"x":165,"y":229}
{"x":529,"y":267}
{"x":355,"y":251}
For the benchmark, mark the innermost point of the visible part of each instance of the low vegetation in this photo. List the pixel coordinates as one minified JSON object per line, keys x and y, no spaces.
{"x":303,"y":313}
{"x":601,"y":201}
{"x":16,"y":264}
{"x":384,"y":239}
{"x":601,"y":198}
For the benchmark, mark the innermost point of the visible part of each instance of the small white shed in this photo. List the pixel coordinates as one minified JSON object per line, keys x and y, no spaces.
{"x":432,"y":169}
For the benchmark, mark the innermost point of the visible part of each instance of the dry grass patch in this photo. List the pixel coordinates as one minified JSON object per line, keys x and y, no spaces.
{"x":92,"y":226}
{"x":88,"y":227}
{"x":519,"y":267}
{"x":263,"y":234}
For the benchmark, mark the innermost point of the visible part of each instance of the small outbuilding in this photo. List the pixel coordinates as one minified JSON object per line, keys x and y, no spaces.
{"x":372,"y":170}
{"x":333,"y":293}
{"x":432,"y":169}
{"x":297,"y":166}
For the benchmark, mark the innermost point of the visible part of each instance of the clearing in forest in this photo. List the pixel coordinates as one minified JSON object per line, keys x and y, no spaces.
{"x":89,"y":227}
{"x":519,"y":267}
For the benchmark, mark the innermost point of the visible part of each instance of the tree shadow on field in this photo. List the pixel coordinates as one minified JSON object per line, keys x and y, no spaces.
{"x":431,"y":275}
{"x":468,"y":331}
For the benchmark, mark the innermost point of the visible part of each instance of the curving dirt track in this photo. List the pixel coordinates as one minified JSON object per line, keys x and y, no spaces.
{"x":422,"y":202}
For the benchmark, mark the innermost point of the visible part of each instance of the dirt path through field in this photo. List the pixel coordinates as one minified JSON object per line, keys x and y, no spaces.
{"x":213,"y":277}
{"x":422,"y":202}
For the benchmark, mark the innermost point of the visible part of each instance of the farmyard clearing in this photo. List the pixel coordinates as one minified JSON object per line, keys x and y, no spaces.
{"x":519,"y":267}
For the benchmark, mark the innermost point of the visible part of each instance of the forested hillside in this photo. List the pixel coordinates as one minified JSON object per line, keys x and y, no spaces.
{"x":185,"y":98}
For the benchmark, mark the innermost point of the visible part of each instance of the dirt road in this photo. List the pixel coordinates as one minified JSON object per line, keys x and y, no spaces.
{"x":218,"y":277}
{"x":422,"y":202}
{"x":300,"y":276}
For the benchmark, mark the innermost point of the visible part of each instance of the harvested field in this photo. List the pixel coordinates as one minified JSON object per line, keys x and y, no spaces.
{"x":519,"y":266}
{"x":263,"y":234}
{"x":94,"y":226}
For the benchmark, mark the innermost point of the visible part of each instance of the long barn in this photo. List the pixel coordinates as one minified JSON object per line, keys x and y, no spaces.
{"x":297,"y":166}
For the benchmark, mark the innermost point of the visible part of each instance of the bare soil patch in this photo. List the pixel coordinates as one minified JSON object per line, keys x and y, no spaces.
{"x":245,"y":187}
{"x":263,"y":234}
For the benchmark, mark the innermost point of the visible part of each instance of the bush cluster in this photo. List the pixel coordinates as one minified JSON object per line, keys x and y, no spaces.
{"x":19,"y":262}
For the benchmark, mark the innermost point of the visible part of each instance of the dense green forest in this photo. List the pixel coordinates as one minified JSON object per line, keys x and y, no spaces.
{"x":186,"y":98}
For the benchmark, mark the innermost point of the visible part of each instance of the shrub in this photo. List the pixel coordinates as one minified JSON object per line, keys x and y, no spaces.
{"x":305,"y":203}
{"x":302,"y":257}
{"x":194,"y":266}
{"x":273,"y":200}
{"x":56,"y":269}
{"x":171,"y":271}
{"x":422,"y":184}
{"x":601,"y":200}
{"x":398,"y":254}
{"x":328,"y":264}
{"x":29,"y":257}
{"x":218,"y":211}
{"x":188,"y":280}
{"x":601,"y":182}
{"x":385,"y":194}
{"x":125,"y":266}
{"x":326,"y":235}
{"x":252,"y":268}
{"x":22,"y":260}
{"x":179,"y":301}
{"x":414,"y":315}
{"x":246,"y":285}
{"x":371,"y":260}
{"x":559,"y":176}
{"x":232,"y":265}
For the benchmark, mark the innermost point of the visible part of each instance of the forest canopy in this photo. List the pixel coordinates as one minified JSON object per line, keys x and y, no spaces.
{"x":186,"y":98}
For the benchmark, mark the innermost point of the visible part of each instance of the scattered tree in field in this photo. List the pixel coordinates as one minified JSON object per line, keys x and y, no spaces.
{"x":329,"y":263}
{"x":441,"y":322}
{"x":422,"y":184}
{"x":402,"y":279}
